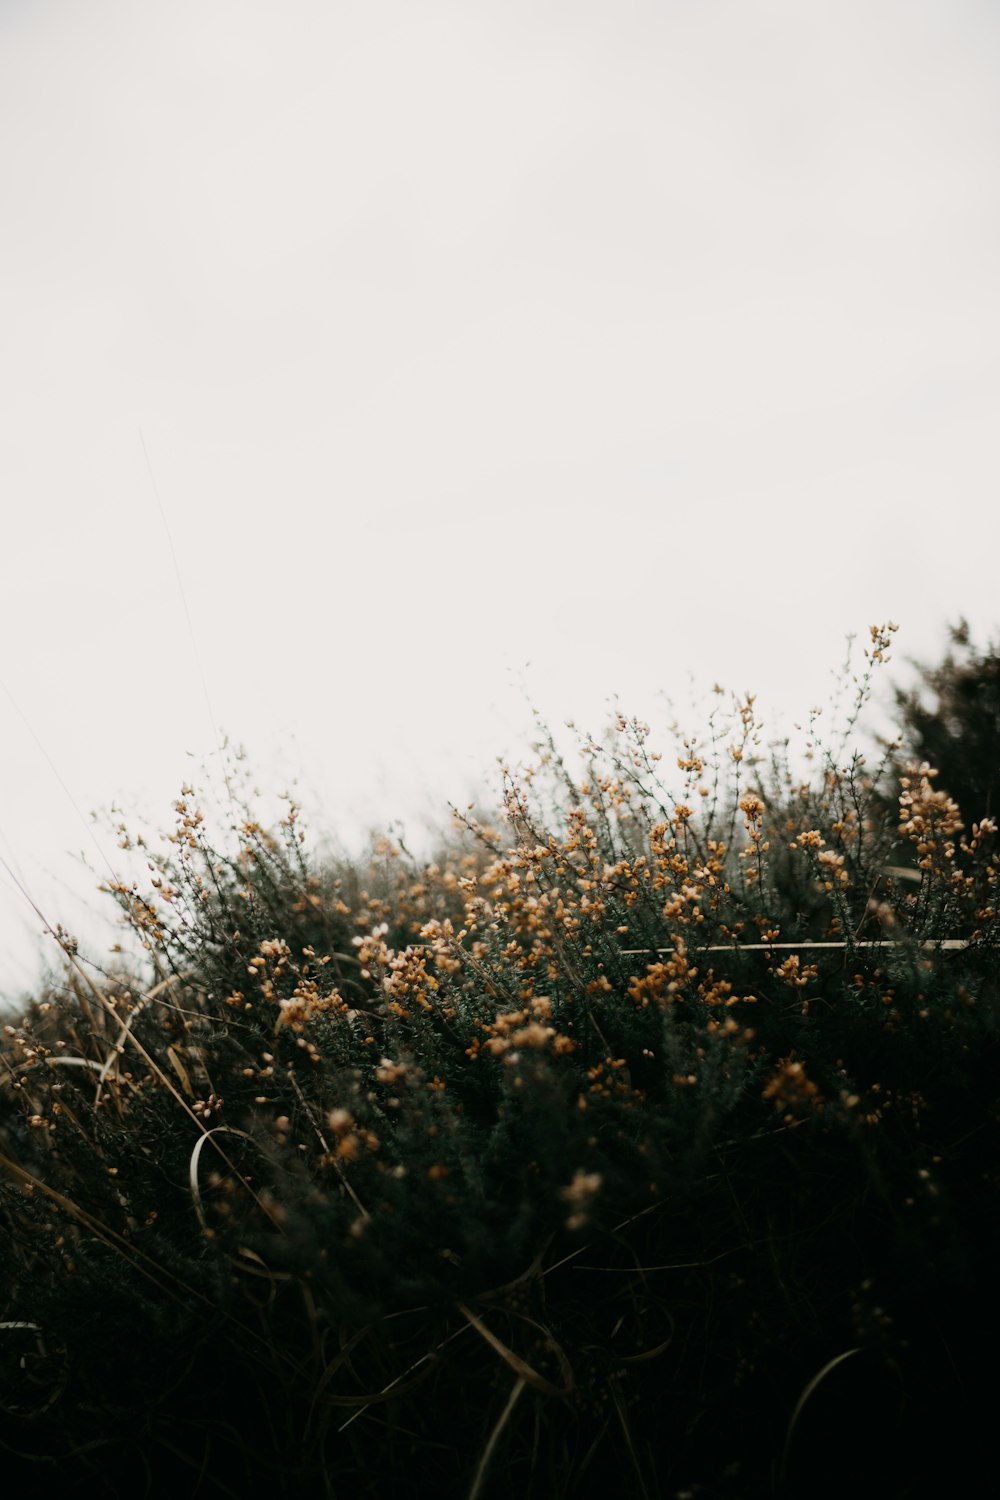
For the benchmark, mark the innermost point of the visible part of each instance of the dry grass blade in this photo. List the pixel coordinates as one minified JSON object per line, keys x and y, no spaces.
{"x":331,"y":1369}
{"x":78,"y":1062}
{"x":503,"y":1419}
{"x":800,"y":1404}
{"x":551,"y":1342}
{"x":396,"y":1385}
{"x":627,"y":1434}
{"x":655,"y":1351}
{"x":393,"y":1389}
{"x":199,"y":1144}
{"x":516,"y":1363}
{"x":182,"y":1073}
{"x":249,"y":1261}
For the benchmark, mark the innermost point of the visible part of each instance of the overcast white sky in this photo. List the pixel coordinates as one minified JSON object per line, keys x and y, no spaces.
{"x":634,"y":340}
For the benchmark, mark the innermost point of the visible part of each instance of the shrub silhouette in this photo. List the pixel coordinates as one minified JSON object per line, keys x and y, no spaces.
{"x":952,"y":721}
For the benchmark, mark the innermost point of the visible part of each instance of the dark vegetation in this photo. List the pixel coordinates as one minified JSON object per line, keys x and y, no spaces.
{"x":566,"y":1164}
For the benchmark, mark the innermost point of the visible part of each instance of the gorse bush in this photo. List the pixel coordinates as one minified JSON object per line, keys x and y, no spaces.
{"x":568,"y":1159}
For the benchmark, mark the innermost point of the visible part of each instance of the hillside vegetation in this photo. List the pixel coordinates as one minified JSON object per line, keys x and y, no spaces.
{"x":645,"y":1141}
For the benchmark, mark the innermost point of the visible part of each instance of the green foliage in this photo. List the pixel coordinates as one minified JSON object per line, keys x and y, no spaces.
{"x":571,"y":1155}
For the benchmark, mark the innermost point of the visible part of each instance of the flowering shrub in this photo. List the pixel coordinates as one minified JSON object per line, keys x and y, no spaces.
{"x":574,"y":1153}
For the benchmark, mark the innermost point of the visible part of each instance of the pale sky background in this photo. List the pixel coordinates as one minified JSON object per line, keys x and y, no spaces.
{"x":643,"y":342}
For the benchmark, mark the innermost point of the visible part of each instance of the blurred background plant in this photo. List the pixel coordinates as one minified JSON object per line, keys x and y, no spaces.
{"x":951,"y":720}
